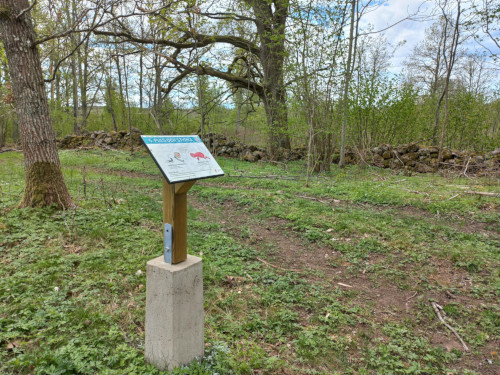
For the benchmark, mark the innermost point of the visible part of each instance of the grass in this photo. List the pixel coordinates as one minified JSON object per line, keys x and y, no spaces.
{"x":72,"y":291}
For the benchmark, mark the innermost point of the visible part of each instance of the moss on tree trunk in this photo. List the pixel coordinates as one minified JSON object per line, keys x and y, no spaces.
{"x":44,"y":183}
{"x":41,"y":188}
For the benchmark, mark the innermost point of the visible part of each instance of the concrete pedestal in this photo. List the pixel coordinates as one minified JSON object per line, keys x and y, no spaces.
{"x":174,"y":312}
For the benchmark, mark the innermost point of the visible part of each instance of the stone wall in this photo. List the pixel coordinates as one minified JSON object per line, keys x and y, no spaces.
{"x":422,"y":158}
{"x":411,"y":157}
{"x":220,"y":145}
{"x":115,"y":140}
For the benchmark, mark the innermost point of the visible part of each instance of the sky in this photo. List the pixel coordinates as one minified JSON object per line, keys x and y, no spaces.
{"x":409,"y":31}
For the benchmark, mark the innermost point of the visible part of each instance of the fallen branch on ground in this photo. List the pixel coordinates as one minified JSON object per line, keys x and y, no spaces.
{"x":413,"y":295}
{"x":346,"y":285}
{"x":449,"y":294}
{"x":466,"y":166}
{"x":311,"y":198}
{"x":437,"y":309}
{"x":7,"y":149}
{"x":415,"y":191}
{"x":277,"y":267}
{"x":272,"y":177}
{"x":486,"y":194}
{"x":85,"y":148}
{"x":317,"y":199}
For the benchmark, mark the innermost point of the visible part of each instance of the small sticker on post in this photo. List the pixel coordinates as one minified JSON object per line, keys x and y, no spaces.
{"x":167,"y":242}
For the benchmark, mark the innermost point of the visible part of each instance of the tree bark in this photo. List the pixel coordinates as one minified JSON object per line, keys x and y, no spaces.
{"x":44,"y":182}
{"x":271,"y":31}
{"x":140,"y":82}
{"x":109,"y":92}
{"x":347,"y":80}
{"x":120,"y":94}
{"x":74,"y":71}
{"x":449,"y":67}
{"x":84,"y":82}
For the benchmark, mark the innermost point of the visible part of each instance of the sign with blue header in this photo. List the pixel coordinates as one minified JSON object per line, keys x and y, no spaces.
{"x":181,"y":157}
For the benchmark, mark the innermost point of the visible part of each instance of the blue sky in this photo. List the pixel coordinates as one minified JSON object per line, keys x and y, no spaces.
{"x":409,"y":31}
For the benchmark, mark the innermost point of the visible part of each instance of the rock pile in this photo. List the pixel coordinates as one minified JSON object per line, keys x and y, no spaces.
{"x":119,"y":139}
{"x":412,"y":157}
{"x":421,"y":158}
{"x":220,"y":145}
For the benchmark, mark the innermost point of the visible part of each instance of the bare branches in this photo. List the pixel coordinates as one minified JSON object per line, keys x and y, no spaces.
{"x":71,"y":53}
{"x":185,"y":70}
{"x":72,"y":29}
{"x":200,"y":40}
{"x":26,"y":10}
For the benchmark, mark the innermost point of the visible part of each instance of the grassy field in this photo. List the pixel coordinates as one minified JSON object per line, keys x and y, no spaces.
{"x":335,"y":278}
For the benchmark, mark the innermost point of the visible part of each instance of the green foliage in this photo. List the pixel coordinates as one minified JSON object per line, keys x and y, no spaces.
{"x":72,"y":300}
{"x":403,"y":353}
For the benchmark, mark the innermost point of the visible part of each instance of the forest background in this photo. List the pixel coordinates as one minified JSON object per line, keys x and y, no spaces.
{"x":180,"y":67}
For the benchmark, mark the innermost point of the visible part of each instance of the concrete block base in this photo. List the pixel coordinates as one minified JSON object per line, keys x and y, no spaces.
{"x":174,"y":312}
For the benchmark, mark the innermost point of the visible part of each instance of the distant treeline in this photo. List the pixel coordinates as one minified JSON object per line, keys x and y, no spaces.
{"x":320,"y":76}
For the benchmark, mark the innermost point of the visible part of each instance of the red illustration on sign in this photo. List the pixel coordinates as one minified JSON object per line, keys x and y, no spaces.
{"x":198,"y":155}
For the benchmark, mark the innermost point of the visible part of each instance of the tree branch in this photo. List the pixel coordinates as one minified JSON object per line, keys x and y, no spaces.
{"x":67,"y":32}
{"x":175,"y":81}
{"x":24,"y":11}
{"x":201,"y":40}
{"x":228,"y":16}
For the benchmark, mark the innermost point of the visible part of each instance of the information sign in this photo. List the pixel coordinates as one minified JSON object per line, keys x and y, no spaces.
{"x":182,"y":157}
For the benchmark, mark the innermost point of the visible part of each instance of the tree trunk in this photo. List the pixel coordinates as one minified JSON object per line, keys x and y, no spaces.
{"x":58,"y":89}
{"x":140,"y":82}
{"x":52,"y":83}
{"x":128,"y":107}
{"x":158,"y":98}
{"x":201,"y":107}
{"x":120,"y":86}
{"x":2,"y":133}
{"x":347,"y":80}
{"x":74,"y":71}
{"x":44,"y":182}
{"x":84,"y":82}
{"x":76,"y":129}
{"x":238,"y":96}
{"x":109,"y":90}
{"x":449,"y":67}
{"x":271,"y":31}
{"x":277,"y":118}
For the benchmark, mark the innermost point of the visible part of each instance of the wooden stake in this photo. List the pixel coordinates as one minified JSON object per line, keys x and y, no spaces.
{"x":175,"y":214}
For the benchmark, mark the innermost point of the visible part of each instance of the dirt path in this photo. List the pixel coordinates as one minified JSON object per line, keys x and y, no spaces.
{"x":285,"y":251}
{"x":460,"y":223}
{"x":457,"y":222}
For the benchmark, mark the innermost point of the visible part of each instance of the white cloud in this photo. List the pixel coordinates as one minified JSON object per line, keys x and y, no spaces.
{"x":405,"y":21}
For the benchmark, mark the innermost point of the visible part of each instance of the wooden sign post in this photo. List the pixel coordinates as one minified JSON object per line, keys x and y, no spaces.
{"x":174,"y":282}
{"x":182,"y":159}
{"x":175,"y":214}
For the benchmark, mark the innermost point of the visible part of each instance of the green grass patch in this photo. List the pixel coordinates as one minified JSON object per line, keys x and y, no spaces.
{"x":72,"y":291}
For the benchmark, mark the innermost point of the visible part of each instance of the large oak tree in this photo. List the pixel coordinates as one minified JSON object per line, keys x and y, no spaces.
{"x":254,"y":28}
{"x":44,"y":182}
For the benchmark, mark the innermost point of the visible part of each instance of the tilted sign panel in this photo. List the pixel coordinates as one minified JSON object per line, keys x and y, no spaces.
{"x":182,"y":157}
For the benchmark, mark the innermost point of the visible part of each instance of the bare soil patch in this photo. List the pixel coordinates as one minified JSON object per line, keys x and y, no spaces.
{"x":460,"y":223}
{"x":286,"y":251}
